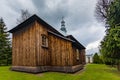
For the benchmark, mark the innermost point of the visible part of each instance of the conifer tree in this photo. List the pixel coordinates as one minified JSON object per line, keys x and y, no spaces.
{"x":110,"y":46}
{"x":5,"y":45}
{"x":96,"y":58}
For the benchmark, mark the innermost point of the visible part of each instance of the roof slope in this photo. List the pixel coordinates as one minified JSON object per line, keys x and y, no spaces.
{"x":32,"y":19}
{"x":76,"y":42}
{"x":56,"y":33}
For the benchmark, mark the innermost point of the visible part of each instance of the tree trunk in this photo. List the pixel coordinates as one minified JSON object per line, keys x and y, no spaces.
{"x":118,"y":66}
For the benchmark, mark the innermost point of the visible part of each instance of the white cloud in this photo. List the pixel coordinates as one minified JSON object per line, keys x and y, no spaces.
{"x":93,"y":45}
{"x":7,"y":13}
{"x":27,"y":4}
{"x":88,"y":33}
{"x":51,"y":4}
{"x":79,"y":17}
{"x":11,"y":10}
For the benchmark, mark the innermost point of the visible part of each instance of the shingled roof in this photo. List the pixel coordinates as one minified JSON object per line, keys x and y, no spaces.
{"x":56,"y":33}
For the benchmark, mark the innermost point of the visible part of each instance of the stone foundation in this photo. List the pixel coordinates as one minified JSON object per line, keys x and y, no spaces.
{"x":66,"y":69}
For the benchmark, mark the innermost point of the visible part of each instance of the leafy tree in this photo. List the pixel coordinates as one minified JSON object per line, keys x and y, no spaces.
{"x":106,"y":56}
{"x":110,"y":46}
{"x":114,"y":13}
{"x":101,"y":11}
{"x":25,"y":14}
{"x":96,"y":59}
{"x":113,"y":45}
{"x":5,"y":48}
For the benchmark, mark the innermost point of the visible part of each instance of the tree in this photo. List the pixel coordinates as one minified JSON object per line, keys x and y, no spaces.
{"x":106,"y":56}
{"x":5,"y":45}
{"x":25,"y":14}
{"x":101,"y":11}
{"x":96,"y":59}
{"x":110,"y":46}
{"x":114,"y":13}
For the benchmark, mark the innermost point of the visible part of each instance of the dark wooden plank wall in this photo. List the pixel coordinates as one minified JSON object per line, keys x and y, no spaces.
{"x":23,"y":47}
{"x":43,"y":57}
{"x":81,"y":56}
{"x":27,"y":49}
{"x":58,"y":53}
{"x":75,"y":61}
{"x":60,"y":50}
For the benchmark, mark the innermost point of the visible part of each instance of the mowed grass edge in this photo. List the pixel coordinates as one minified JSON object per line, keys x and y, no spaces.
{"x":91,"y":72}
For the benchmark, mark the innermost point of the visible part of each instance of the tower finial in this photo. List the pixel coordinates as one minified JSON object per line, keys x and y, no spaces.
{"x":63,"y":29}
{"x":63,"y":22}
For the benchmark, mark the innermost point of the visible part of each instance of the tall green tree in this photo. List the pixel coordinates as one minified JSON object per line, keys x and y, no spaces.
{"x":114,"y":13}
{"x":113,"y":45}
{"x":101,"y":11}
{"x":5,"y":45}
{"x":97,"y":59}
{"x":110,"y":46}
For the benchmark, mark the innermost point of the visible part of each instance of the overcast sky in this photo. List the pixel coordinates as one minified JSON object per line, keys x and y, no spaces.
{"x":78,"y":15}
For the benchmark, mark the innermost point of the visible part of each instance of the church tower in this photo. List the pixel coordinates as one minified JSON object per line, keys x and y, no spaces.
{"x":63,"y":29}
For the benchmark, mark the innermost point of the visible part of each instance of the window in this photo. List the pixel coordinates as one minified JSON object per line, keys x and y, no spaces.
{"x":77,"y":53}
{"x":44,"y":41}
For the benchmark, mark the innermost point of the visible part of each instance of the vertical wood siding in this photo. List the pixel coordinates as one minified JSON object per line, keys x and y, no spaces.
{"x":81,"y":56}
{"x":23,"y":47}
{"x":60,"y":51}
{"x":27,"y":49}
{"x":43,"y":57}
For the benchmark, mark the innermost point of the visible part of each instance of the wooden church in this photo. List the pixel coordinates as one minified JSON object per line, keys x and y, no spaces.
{"x":38,"y":47}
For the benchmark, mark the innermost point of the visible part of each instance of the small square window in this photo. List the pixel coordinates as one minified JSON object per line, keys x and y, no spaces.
{"x":44,"y":41}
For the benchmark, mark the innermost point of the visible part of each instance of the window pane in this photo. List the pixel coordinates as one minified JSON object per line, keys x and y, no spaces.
{"x":44,"y":41}
{"x":77,"y":53}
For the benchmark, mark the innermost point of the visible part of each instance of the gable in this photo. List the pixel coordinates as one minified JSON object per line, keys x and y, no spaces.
{"x":52,"y":30}
{"x":76,"y":43}
{"x":31,"y":20}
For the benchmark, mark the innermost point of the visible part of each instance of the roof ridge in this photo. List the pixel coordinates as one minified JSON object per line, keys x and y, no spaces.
{"x":32,"y":19}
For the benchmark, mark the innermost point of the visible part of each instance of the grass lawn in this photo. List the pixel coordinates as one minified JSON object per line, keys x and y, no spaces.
{"x":91,"y":72}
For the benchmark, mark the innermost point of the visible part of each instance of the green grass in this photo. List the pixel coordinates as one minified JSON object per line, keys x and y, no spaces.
{"x":91,"y":72}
